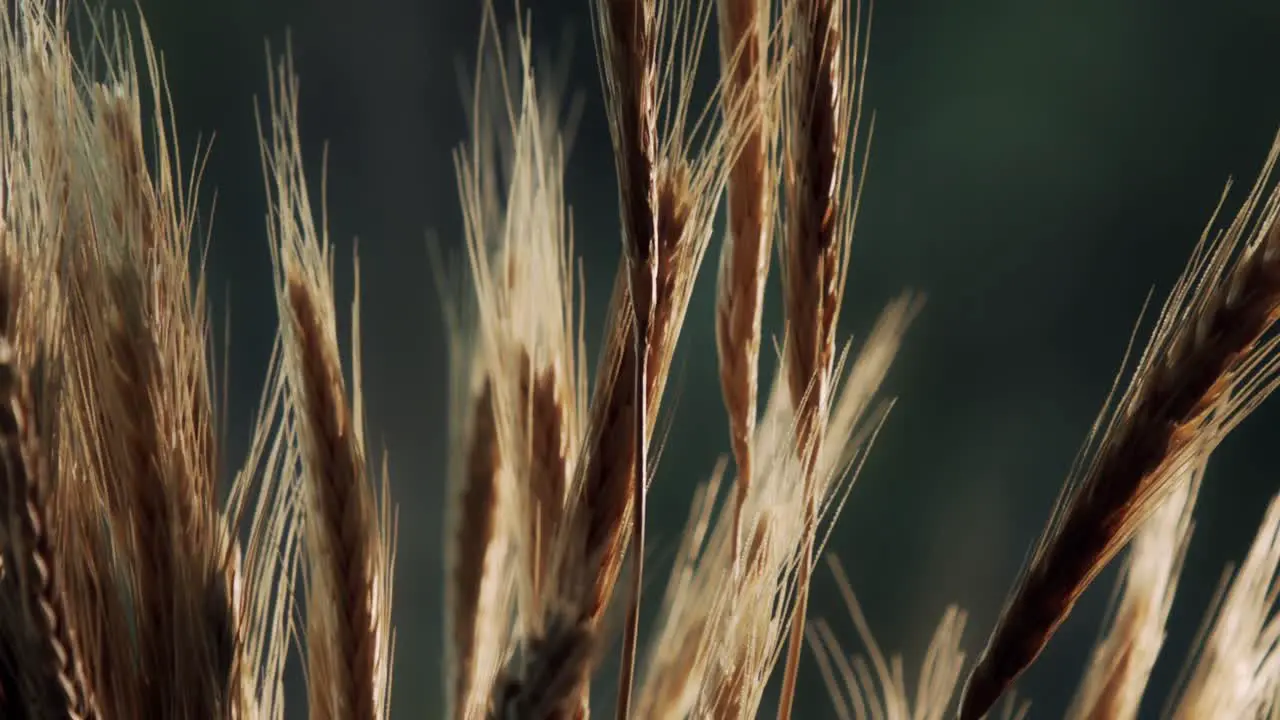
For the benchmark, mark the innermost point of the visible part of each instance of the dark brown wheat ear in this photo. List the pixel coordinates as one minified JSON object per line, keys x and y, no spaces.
{"x":1208,"y":364}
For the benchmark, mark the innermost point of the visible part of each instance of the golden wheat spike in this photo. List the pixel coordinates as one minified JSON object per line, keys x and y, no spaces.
{"x":747,"y":68}
{"x":345,"y":534}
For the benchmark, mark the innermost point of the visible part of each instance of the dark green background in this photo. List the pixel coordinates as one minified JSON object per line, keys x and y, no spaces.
{"x":1037,"y":168}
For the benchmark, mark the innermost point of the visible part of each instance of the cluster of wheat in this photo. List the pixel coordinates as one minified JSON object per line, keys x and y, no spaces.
{"x":134,"y":587}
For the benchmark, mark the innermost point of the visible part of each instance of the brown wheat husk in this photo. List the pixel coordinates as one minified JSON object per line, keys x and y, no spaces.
{"x":1120,"y":668}
{"x":1207,"y":365}
{"x":343,"y":657}
{"x":474,"y":534}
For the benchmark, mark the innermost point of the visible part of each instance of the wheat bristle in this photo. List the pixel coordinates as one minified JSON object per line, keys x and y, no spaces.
{"x":875,"y":685}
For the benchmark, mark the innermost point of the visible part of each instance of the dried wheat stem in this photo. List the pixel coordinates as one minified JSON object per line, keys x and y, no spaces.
{"x":745,"y":262}
{"x":814,"y":258}
{"x":345,"y":666}
{"x":1207,"y":366}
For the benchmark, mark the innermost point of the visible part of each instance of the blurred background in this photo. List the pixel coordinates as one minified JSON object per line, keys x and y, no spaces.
{"x":1037,"y":169}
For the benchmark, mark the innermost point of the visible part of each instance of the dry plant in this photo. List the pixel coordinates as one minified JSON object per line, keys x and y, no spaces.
{"x":134,"y":585}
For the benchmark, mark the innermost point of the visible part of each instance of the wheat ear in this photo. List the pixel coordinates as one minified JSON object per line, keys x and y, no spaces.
{"x":745,"y":262}
{"x":119,"y":235}
{"x":686,"y":187}
{"x":721,"y":634}
{"x":346,"y":534}
{"x":823,"y":110}
{"x":522,"y":350}
{"x":1208,"y":364}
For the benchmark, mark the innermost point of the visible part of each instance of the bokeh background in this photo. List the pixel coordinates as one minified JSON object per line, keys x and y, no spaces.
{"x":1036,"y":170}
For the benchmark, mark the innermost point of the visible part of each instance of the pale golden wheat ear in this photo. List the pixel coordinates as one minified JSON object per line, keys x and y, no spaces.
{"x":348,"y":529}
{"x":1210,"y":361}
{"x":517,"y":382}
{"x":129,"y":593}
{"x":722,"y":633}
